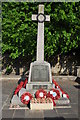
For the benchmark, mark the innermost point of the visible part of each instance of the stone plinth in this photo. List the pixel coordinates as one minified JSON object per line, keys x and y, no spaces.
{"x":39,"y":76}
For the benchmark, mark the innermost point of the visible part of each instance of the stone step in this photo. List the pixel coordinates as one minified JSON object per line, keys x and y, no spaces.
{"x":62,"y":101}
{"x":23,"y":90}
{"x":44,"y":85}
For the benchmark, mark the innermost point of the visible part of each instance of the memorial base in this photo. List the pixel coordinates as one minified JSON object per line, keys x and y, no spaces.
{"x":39,"y":76}
{"x":33,"y":87}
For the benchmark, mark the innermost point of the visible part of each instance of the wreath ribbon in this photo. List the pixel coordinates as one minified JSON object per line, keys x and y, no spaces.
{"x":57,"y":86}
{"x":22,"y":84}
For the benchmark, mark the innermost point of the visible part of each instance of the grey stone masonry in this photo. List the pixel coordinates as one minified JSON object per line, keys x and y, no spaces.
{"x":39,"y":76}
{"x":40,"y":35}
{"x":40,"y":71}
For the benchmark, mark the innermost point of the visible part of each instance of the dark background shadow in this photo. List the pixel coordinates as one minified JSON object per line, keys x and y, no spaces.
{"x":78,"y":81}
{"x":68,"y":62}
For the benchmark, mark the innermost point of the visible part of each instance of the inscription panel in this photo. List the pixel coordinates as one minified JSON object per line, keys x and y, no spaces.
{"x":39,"y":86}
{"x":40,"y":73}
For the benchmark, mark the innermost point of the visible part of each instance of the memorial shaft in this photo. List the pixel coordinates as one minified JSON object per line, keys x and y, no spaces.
{"x":40,"y":34}
{"x":40,"y":37}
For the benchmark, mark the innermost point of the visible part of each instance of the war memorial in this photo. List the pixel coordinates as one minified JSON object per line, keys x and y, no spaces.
{"x":40,"y":91}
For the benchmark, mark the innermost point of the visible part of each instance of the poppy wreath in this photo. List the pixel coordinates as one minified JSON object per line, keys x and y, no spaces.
{"x":54,"y":104}
{"x":40,"y":93}
{"x":63,"y":93}
{"x":18,"y":88}
{"x":56,"y":84}
{"x":25,"y":82}
{"x":54,"y":94}
{"x":22,"y":84}
{"x":26,"y":97}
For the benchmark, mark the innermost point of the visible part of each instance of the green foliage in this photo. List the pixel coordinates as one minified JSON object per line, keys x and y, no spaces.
{"x":8,"y":70}
{"x":20,"y":32}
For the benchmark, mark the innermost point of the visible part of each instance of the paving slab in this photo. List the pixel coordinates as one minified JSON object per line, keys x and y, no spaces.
{"x":65,"y":111}
{"x":7,"y":113}
{"x":68,"y":116}
{"x":68,"y":86}
{"x":75,"y":107}
{"x":6,"y":106}
{"x":9,"y":99}
{"x":4,"y":98}
{"x":50,"y":113}
{"x":34,"y":114}
{"x":19,"y":114}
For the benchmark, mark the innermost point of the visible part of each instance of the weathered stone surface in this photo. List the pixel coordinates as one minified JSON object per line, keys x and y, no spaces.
{"x":7,"y":113}
{"x":50,"y":114}
{"x":34,"y":114}
{"x":38,"y":85}
{"x":40,"y":34}
{"x":23,"y":90}
{"x":19,"y":114}
{"x":16,"y":100}
{"x":40,"y":72}
{"x":39,"y":76}
{"x":56,"y":112}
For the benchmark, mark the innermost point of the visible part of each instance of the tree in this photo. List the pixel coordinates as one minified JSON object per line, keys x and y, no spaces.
{"x":20,"y":33}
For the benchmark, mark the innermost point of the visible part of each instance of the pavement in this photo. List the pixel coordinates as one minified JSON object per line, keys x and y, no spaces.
{"x":70,"y":86}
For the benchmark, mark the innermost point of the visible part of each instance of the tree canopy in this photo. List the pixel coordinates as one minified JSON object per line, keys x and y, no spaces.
{"x":19,"y":32}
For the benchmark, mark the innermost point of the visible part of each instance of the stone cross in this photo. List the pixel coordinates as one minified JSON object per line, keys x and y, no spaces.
{"x":40,"y":35}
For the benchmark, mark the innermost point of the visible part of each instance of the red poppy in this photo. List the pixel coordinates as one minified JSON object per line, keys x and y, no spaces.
{"x":54,"y":94}
{"x":41,"y":93}
{"x":26,"y":97}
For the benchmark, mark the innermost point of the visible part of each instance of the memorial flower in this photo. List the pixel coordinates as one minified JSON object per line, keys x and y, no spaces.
{"x":41,"y":93}
{"x":26,"y":97}
{"x":54,"y":94}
